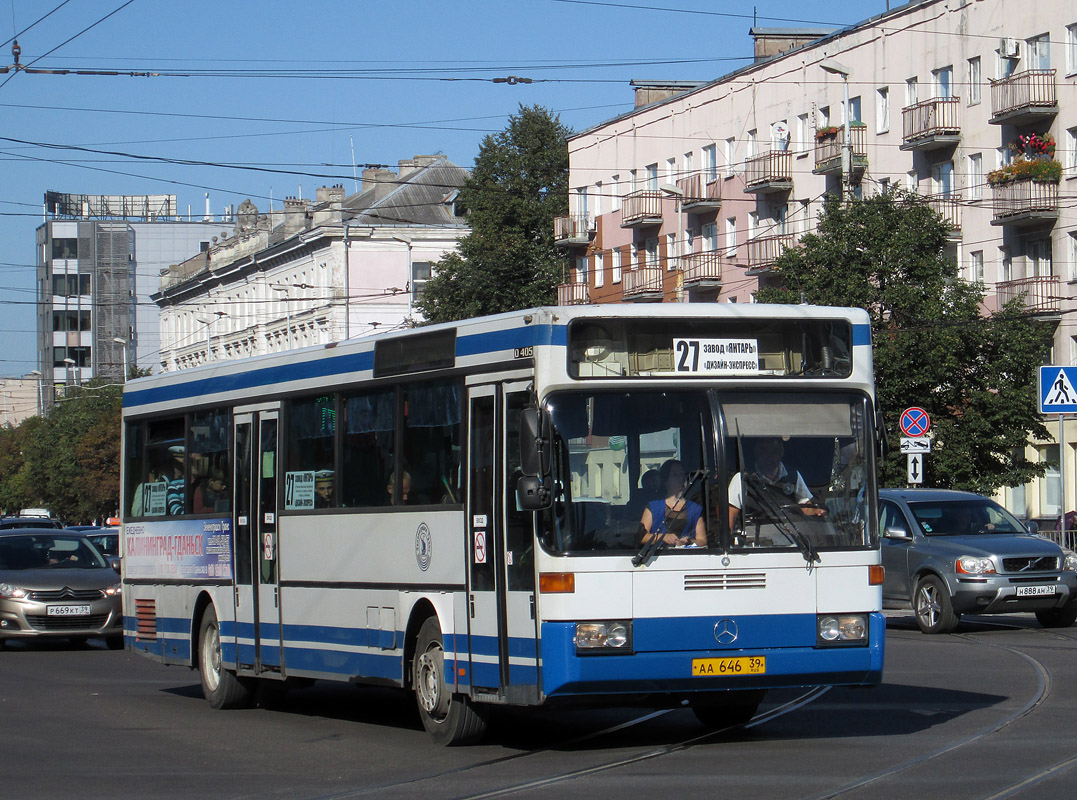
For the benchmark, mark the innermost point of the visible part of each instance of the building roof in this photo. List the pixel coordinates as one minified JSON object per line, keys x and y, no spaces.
{"x":421,"y":197}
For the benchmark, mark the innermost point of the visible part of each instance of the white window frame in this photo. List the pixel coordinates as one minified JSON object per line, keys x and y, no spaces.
{"x":943,"y":81}
{"x":976,"y":266}
{"x":1038,"y":52}
{"x":1070,"y":162}
{"x":912,"y":91}
{"x":710,"y":162}
{"x":1071,"y":49}
{"x":617,"y":265}
{"x":752,"y":144}
{"x":731,"y":237}
{"x":974,"y":74}
{"x":803,"y":133}
{"x":975,"y":176}
{"x":671,"y":251}
{"x":882,"y":109}
{"x":730,"y":157}
{"x":600,"y":270}
{"x":615,"y":193}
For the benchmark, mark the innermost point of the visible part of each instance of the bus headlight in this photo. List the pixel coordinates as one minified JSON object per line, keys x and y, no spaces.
{"x":842,"y":629}
{"x":599,"y":637}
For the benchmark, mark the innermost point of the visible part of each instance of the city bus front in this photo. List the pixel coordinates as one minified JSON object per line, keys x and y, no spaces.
{"x":708,"y":536}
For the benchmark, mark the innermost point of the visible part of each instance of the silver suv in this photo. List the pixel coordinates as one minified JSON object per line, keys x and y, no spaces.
{"x":951,"y":553}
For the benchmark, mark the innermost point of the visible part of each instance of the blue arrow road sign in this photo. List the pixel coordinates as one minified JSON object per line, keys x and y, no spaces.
{"x":1058,"y":390}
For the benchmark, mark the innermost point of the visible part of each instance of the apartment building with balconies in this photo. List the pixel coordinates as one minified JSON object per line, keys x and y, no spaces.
{"x":692,"y":194}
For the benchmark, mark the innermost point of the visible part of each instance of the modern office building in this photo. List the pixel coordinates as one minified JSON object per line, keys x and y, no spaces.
{"x":692,"y":194}
{"x":99,"y":258}
{"x":316,"y":272}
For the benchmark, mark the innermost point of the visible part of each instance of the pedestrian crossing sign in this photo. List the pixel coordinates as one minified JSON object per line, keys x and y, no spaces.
{"x":1058,"y":394}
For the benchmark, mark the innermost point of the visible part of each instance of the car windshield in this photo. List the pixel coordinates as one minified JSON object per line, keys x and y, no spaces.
{"x":613,"y":451}
{"x":45,"y":551}
{"x":962,"y":517}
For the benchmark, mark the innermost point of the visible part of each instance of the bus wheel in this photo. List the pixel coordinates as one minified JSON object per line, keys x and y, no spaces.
{"x":222,"y":688}
{"x":450,"y":719}
{"x":729,"y":709}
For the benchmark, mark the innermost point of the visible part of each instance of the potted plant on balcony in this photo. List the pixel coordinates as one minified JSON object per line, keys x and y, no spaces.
{"x":827,"y":132}
{"x":1034,"y":162}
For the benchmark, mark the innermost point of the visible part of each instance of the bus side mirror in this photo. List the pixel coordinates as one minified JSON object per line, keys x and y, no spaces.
{"x":534,"y":489}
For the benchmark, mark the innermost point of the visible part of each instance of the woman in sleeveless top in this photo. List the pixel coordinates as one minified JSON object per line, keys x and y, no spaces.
{"x":674,"y":518}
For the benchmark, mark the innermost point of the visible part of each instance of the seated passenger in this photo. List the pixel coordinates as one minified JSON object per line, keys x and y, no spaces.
{"x":405,"y":488}
{"x":323,"y":488}
{"x":776,"y":478}
{"x":674,"y":518}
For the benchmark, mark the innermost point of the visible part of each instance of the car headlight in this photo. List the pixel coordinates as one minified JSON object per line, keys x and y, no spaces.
{"x":615,"y":636}
{"x":975,"y":565}
{"x":842,"y":629}
{"x":1070,"y":561}
{"x":13,"y":592}
{"x":111,"y":591}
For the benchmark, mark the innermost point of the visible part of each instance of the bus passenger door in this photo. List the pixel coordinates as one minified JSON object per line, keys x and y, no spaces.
{"x":501,"y":579}
{"x":257,"y":636}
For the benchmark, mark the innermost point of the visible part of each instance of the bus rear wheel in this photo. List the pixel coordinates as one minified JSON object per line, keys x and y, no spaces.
{"x":221,"y":687}
{"x":451,"y":719}
{"x":729,"y":709}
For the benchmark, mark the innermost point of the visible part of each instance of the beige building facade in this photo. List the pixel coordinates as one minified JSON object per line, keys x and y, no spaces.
{"x":694,"y":193}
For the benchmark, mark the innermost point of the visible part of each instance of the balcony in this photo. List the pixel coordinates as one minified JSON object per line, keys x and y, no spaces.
{"x":763,"y":251}
{"x":642,"y":208}
{"x":1024,"y":203}
{"x":573,"y":294}
{"x":829,"y":146}
{"x":1040,"y":294}
{"x":699,"y":195}
{"x":948,"y":206}
{"x":768,"y":172}
{"x":573,"y":230}
{"x":643,"y":284}
{"x":931,"y":124}
{"x":701,"y":270}
{"x":1024,"y":97}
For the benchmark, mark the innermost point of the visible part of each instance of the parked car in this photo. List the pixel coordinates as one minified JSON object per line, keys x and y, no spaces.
{"x":107,"y":540}
{"x":55,"y":584}
{"x":10,"y":523}
{"x":950,"y":553}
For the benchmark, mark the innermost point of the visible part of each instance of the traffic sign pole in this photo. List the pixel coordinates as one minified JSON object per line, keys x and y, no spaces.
{"x":1062,"y":466}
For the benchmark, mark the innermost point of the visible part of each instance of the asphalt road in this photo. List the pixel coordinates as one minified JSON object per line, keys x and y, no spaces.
{"x":987,"y":712}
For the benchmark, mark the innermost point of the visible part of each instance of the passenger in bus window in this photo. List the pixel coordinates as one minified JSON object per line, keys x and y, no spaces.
{"x":673,"y":517}
{"x":323,"y":489}
{"x":777,"y":480}
{"x":405,"y":489}
{"x":175,"y":494}
{"x":211,"y":493}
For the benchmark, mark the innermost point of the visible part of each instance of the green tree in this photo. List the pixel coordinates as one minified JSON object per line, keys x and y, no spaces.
{"x":508,"y":261}
{"x":935,"y":347}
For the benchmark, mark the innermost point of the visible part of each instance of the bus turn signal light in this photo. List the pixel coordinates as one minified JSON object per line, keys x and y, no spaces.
{"x":876,"y":574}
{"x":554,"y":582}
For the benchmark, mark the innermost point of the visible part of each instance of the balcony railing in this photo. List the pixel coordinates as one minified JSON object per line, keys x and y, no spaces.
{"x":947,"y":206}
{"x":1024,"y":95}
{"x":641,"y":208}
{"x":1041,"y":294}
{"x":698,"y":194}
{"x":644,"y":283}
{"x":701,"y":269}
{"x":574,"y":229}
{"x":573,"y":294}
{"x":768,"y":172}
{"x":930,"y":124}
{"x":828,"y":150}
{"x":1024,"y":202}
{"x":763,"y":251}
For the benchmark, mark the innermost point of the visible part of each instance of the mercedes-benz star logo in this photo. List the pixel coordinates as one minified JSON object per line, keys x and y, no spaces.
{"x":725,"y":631}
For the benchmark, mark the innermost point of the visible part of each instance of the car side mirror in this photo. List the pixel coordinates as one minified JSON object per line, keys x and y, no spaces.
{"x":1033,"y":527}
{"x":895,"y":532}
{"x":114,"y":562}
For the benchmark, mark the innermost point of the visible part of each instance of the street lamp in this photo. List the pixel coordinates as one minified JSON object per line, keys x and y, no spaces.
{"x":70,"y":366}
{"x":123,"y":342}
{"x":40,"y":391}
{"x":837,"y":68}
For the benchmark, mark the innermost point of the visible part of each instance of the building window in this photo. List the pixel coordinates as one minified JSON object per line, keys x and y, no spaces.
{"x":1005,"y":264}
{"x":976,"y":266}
{"x":710,"y":161}
{"x":823,"y":119}
{"x":1072,"y":273}
{"x":67,"y":321}
{"x":652,"y":177}
{"x":912,"y":180}
{"x":731,"y":237}
{"x":600,"y":270}
{"x":671,"y":251}
{"x":944,"y":82}
{"x":650,"y":247}
{"x":710,"y":237}
{"x":730,"y":157}
{"x":671,"y":170}
{"x":882,"y":109}
{"x":1071,"y":49}
{"x":912,"y":92}
{"x":615,"y":277}
{"x":803,"y":133}
{"x":1039,"y":52}
{"x":581,"y":202}
{"x":854,"y":105}
{"x":615,"y":197}
{"x":942,"y":175}
{"x":421,"y":272}
{"x":975,"y":79}
{"x":975,"y":178}
{"x":70,"y":285}
{"x":598,"y":199}
{"x":1070,"y":155}
{"x":689,"y":162}
{"x":1003,"y":156}
{"x":751,"y":144}
{"x":1038,"y":258}
{"x":65,"y":248}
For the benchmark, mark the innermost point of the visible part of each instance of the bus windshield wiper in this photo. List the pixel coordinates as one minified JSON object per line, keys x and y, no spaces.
{"x":753,"y":489}
{"x":651,"y":548}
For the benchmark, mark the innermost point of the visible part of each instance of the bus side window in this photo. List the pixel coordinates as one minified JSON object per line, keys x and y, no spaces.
{"x":367,"y":452}
{"x":431,"y":438}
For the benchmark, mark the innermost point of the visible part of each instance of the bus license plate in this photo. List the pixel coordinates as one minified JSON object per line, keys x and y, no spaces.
{"x":67,"y":611}
{"x":742,"y":665}
{"x":1035,"y":591}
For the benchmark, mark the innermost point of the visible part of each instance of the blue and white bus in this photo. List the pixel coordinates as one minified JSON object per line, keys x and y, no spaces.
{"x":474,"y":511}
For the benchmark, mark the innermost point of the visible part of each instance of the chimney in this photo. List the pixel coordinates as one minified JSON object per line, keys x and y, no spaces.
{"x":380,"y":181}
{"x":295,"y":214}
{"x":648,"y":92}
{"x":770,"y":42}
{"x":327,"y":205}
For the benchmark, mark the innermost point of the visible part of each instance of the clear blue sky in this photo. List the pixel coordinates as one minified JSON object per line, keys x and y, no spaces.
{"x":296,"y":86}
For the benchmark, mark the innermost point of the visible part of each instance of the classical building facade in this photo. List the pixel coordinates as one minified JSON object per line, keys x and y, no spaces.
{"x":694,"y":193}
{"x":316,"y":272}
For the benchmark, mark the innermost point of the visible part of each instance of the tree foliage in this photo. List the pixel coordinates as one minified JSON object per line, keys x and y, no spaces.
{"x":508,"y":261}
{"x":68,"y":461}
{"x":935,"y":347}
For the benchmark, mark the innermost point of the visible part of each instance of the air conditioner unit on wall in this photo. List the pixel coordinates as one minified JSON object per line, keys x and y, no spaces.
{"x":1009,"y":48}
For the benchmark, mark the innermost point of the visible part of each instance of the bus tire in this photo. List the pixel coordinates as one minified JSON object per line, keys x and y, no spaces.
{"x":729,"y":709}
{"x":221,"y":687}
{"x":933,"y":607}
{"x":450,"y":719}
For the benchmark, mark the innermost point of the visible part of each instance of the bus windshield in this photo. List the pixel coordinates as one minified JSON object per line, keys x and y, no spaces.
{"x":762,"y":470}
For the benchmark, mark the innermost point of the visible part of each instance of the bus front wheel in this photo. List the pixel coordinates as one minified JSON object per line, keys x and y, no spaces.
{"x":221,"y":687}
{"x":451,"y":719}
